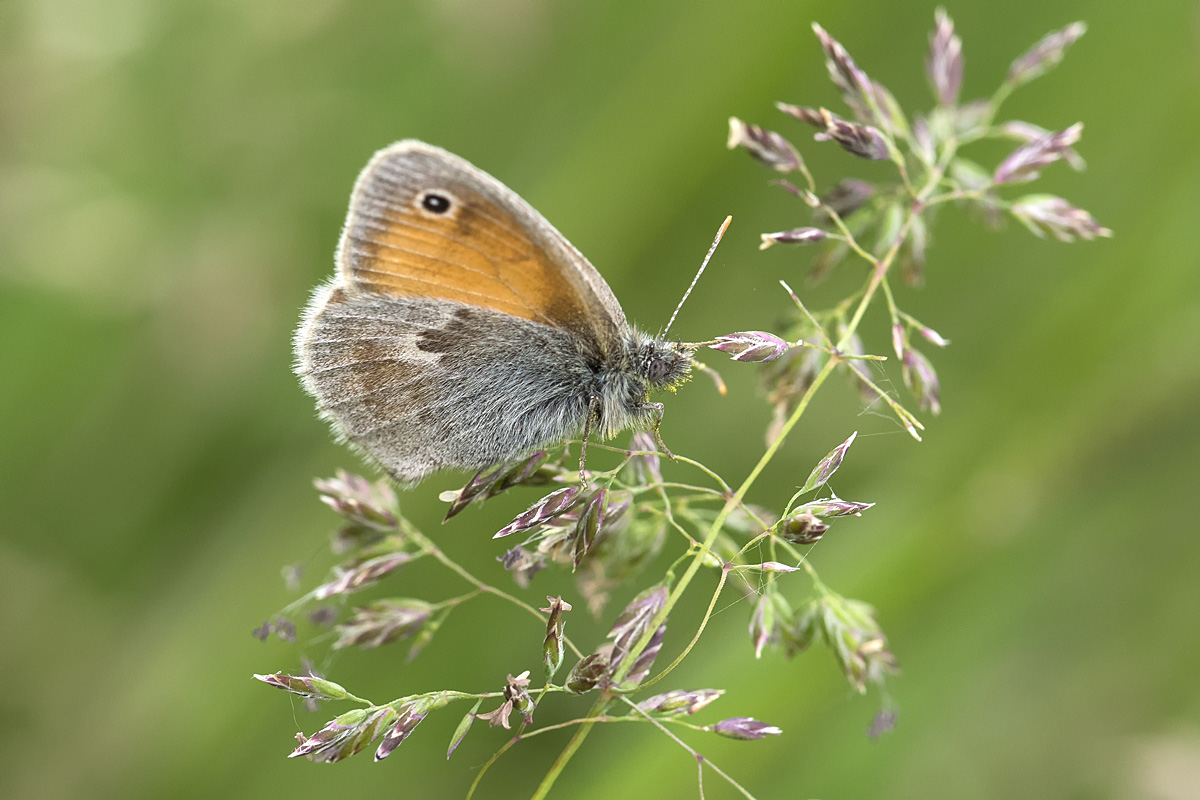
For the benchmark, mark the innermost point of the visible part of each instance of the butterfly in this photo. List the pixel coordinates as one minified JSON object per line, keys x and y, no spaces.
{"x":462,"y":330}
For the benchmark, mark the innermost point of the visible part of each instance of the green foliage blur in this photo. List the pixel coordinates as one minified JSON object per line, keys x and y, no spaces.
{"x":173,"y":177}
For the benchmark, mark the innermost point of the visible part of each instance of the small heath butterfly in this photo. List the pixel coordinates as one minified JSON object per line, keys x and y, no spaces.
{"x":462,"y":330}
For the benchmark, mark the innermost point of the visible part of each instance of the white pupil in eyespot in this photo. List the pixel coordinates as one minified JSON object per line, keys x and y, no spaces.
{"x":435,"y":203}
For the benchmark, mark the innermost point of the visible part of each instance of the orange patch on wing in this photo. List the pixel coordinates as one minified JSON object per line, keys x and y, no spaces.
{"x":475,"y":253}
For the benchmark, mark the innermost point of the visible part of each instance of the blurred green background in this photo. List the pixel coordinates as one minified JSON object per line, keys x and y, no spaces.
{"x":173,"y":176}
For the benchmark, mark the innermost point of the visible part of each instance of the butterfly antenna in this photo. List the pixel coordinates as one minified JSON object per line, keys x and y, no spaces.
{"x":699,"y":272}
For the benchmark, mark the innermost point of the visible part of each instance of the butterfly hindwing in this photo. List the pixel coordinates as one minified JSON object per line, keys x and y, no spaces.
{"x":421,"y":384}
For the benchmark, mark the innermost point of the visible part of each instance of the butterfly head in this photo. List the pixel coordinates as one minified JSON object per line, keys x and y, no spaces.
{"x":662,"y":363}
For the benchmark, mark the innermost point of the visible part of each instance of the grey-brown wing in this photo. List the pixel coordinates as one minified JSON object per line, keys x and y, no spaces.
{"x":421,"y":384}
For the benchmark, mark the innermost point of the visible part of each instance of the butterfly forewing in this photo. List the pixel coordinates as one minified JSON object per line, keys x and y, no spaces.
{"x":425,"y":223}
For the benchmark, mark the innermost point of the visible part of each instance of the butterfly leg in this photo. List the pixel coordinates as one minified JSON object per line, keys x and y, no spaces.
{"x":657,"y":410}
{"x":593,"y":414}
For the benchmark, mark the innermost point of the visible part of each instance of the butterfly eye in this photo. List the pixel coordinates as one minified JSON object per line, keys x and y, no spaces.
{"x":657,"y":369}
{"x":435,"y":203}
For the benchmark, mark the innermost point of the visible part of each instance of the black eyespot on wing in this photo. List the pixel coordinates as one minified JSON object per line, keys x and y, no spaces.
{"x":435,"y":203}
